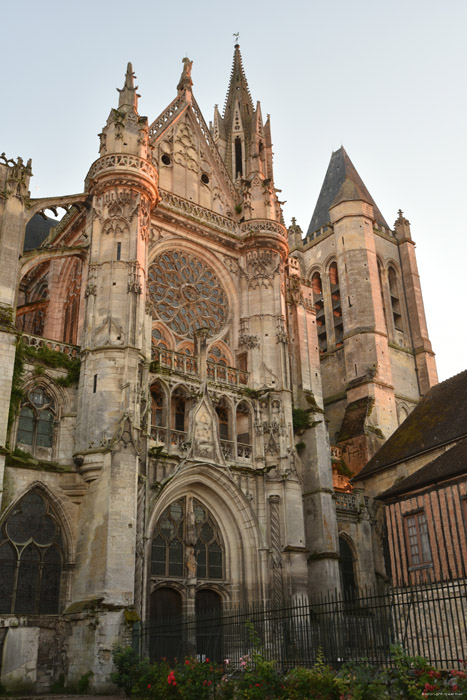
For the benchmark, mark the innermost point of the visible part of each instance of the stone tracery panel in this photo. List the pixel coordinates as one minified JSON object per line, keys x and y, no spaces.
{"x":186,"y":294}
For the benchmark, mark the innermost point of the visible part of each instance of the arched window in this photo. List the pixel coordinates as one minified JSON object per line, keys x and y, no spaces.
{"x":187,"y":521}
{"x":31,"y":557}
{"x":217,"y":363}
{"x":238,"y":158}
{"x":336,"y":304}
{"x":70,"y":326}
{"x":346,"y":565}
{"x":318,"y":301}
{"x":36,"y":423}
{"x":395,"y":301}
{"x":381,"y":288}
{"x":243,"y":423}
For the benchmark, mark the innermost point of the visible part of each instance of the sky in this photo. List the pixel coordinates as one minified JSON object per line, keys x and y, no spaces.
{"x":384,"y":78}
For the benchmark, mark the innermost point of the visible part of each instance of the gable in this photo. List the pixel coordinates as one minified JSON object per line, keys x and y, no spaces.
{"x":190,"y":166}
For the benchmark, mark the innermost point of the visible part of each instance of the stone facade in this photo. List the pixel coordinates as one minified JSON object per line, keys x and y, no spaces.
{"x":190,"y":465}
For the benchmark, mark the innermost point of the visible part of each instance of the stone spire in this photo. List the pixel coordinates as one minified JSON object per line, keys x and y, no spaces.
{"x":128,"y":95}
{"x":126,"y":131}
{"x":342,"y":183}
{"x":238,"y":92}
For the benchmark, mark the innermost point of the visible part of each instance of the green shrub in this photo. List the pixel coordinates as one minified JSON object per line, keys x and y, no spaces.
{"x":128,"y":668}
{"x":320,"y":682}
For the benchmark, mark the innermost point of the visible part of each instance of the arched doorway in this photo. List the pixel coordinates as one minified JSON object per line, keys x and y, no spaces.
{"x":166,"y":624}
{"x":208,"y":606}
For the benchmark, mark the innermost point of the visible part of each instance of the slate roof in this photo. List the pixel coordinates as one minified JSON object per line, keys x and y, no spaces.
{"x":341,"y":183}
{"x":450,"y":464}
{"x":439,"y":418}
{"x":37,"y":231}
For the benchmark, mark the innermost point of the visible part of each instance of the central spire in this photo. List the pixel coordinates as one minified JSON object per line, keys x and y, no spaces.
{"x":238,"y":91}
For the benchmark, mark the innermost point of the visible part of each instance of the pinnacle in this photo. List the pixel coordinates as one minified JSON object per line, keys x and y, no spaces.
{"x":128,"y":95}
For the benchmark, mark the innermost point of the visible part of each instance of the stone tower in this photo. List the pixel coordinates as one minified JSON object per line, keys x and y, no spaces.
{"x":376,"y":358}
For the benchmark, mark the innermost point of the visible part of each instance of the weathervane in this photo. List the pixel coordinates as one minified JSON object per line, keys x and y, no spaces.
{"x":236,"y":35}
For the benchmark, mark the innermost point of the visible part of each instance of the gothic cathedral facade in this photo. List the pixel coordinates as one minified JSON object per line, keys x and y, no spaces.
{"x":186,"y":385}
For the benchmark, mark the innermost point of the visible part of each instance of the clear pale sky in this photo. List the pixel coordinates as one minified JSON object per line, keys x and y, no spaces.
{"x":387,"y":79}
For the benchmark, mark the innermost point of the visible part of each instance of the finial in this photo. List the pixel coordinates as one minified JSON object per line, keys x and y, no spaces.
{"x":185,"y":82}
{"x":237,"y":37}
{"x":128,"y":96}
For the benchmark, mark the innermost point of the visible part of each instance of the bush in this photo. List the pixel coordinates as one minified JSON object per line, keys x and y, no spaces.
{"x":317,"y":683}
{"x":129,"y":668}
{"x":411,"y":678}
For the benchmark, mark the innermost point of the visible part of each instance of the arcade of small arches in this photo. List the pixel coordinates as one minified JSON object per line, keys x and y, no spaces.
{"x":170,"y":415}
{"x":329,"y":304}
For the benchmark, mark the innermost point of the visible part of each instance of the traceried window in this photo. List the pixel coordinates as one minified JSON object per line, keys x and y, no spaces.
{"x":36,"y":421}
{"x":186,"y":521}
{"x":186,"y":293}
{"x":31,"y":556}
{"x":417,"y":539}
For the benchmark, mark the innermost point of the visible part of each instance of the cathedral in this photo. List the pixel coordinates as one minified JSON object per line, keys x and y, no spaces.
{"x":187,"y":386}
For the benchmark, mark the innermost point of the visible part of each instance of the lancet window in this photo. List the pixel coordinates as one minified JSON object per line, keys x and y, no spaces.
{"x":31,"y":558}
{"x":187,"y":542}
{"x":336,"y":304}
{"x":318,"y":301}
{"x":395,"y":301}
{"x":36,"y":421}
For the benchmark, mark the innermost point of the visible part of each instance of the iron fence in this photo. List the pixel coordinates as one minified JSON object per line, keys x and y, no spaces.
{"x":428,"y":620}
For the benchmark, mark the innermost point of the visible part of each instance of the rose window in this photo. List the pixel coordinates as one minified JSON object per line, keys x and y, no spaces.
{"x":186,"y":294}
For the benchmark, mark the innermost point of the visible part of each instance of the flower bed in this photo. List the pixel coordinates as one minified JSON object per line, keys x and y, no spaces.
{"x":405,"y":678}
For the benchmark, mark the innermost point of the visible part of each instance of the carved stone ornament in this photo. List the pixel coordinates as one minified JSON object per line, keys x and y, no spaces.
{"x":204,"y":432}
{"x":262,"y":266}
{"x":295,"y":292}
{"x":134,"y":282}
{"x":17,"y":183}
{"x":249,"y":341}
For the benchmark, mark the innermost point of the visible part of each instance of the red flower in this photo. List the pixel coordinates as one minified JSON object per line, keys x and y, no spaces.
{"x":207,"y":661}
{"x":258,"y":685}
{"x":204,"y":682}
{"x":186,"y":662}
{"x":209,"y":682}
{"x":149,"y":685}
{"x":174,"y":683}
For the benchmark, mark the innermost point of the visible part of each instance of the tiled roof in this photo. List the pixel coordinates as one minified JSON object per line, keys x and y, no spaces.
{"x":37,"y":231}
{"x":341,"y":183}
{"x":439,"y":418}
{"x":450,"y":464}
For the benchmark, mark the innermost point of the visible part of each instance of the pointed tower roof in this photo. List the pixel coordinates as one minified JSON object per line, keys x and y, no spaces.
{"x":341,"y":183}
{"x":128,"y":95}
{"x":238,"y":90}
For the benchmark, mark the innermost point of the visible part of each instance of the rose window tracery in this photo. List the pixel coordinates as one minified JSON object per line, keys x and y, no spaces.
{"x":186,"y":294}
